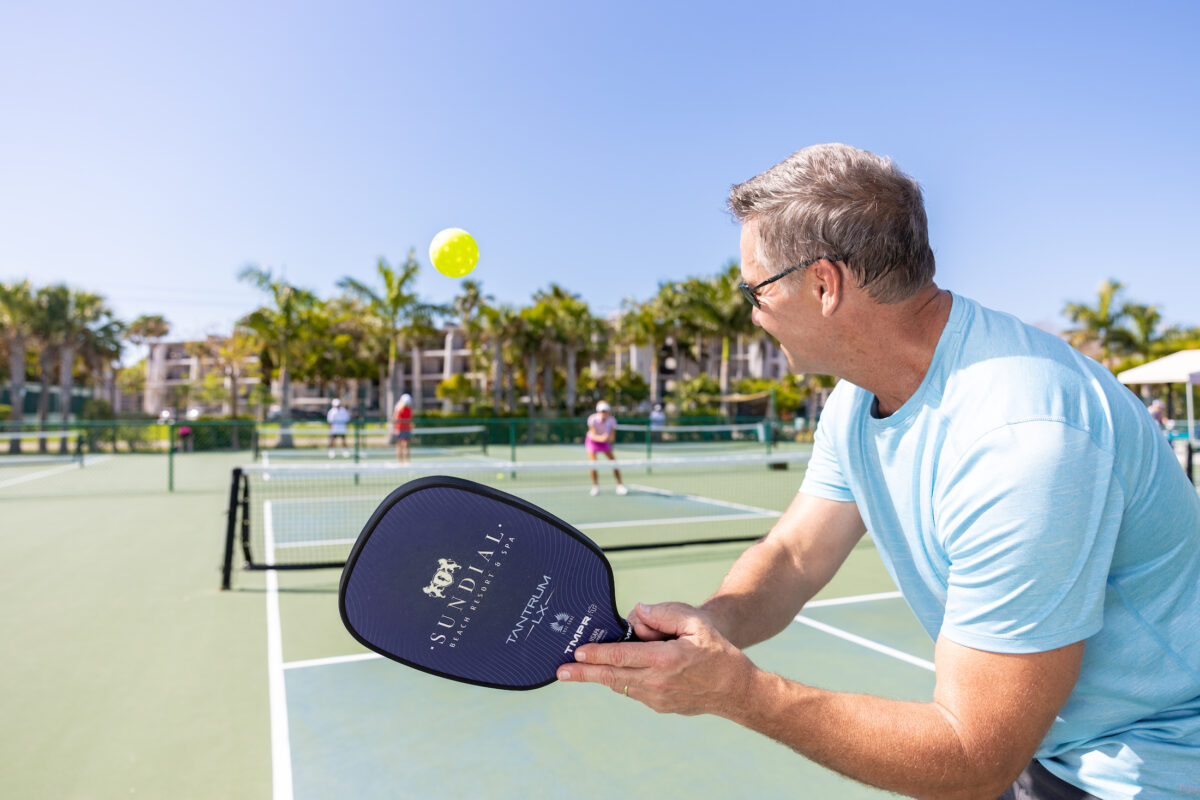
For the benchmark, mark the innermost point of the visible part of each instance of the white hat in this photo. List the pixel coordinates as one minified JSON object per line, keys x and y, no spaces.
{"x":336,"y":402}
{"x":603,"y":406}
{"x":405,"y":398}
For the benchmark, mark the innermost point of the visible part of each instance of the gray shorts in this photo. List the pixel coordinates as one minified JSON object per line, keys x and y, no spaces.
{"x":1039,"y":783}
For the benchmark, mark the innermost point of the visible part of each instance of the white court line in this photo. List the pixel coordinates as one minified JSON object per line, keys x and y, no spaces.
{"x":46,"y":473}
{"x":859,"y":598}
{"x":841,"y":634}
{"x":281,"y":749}
{"x":632,"y":523}
{"x":867,"y":643}
{"x":706,"y":500}
{"x":637,"y":523}
{"x":331,"y":661}
{"x":315,"y":543}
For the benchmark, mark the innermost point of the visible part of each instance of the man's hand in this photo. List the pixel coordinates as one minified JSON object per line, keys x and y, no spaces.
{"x":685,"y":666}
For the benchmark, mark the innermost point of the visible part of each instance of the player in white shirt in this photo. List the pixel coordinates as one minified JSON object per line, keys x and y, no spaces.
{"x":338,"y":418}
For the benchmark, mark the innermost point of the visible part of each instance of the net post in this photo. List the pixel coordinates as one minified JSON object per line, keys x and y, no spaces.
{"x":171,"y":456}
{"x":649,"y":438}
{"x":230,"y":528}
{"x":79,"y":447}
{"x":512,"y":445}
{"x":244,"y":526}
{"x":770,"y":420}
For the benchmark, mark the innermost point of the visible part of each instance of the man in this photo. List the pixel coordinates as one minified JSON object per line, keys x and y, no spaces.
{"x":338,"y":418}
{"x":1027,"y":507}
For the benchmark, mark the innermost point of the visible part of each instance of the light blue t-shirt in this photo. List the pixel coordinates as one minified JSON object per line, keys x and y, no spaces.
{"x":1022,"y":499}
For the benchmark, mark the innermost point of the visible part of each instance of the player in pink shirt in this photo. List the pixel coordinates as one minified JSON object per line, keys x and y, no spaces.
{"x":602,"y":429}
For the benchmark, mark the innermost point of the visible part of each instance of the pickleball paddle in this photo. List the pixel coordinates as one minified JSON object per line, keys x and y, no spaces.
{"x":467,"y":582}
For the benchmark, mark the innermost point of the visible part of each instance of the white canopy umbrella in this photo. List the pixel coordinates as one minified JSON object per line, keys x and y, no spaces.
{"x":1182,"y":367}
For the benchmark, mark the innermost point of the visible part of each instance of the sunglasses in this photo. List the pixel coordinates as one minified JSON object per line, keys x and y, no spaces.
{"x":751,"y":292}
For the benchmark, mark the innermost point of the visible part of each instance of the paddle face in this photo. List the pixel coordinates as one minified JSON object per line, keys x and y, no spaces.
{"x":470,"y":583}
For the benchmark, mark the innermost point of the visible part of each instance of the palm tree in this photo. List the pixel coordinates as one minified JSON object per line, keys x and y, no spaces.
{"x":1098,"y":324}
{"x":86,"y":313}
{"x":279,"y":328}
{"x":147,"y":329}
{"x":51,"y":309}
{"x":641,"y":325}
{"x":100,"y":351}
{"x":403,"y":316}
{"x":500,"y":326}
{"x":470,"y":306}
{"x":233,"y":356}
{"x":352,"y":349}
{"x":529,"y":340}
{"x":722,"y":312}
{"x":570,"y":328}
{"x":1139,"y":339}
{"x":16,"y":327}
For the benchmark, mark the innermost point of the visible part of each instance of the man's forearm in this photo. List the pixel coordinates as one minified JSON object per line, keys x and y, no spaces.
{"x":911,"y":748}
{"x":759,"y":597}
{"x":768,"y":585}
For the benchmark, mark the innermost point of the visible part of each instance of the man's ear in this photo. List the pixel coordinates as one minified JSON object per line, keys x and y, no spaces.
{"x":829,"y":285}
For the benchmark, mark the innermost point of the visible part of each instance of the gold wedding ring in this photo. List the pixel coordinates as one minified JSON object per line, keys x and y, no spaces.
{"x":626,"y":690}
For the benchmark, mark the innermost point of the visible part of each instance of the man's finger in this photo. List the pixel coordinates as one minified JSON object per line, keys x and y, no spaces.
{"x":595,"y":673}
{"x":631,"y":655}
{"x":670,"y":619}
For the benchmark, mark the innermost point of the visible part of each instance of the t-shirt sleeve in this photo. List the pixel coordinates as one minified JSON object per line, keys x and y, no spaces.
{"x":1028,"y":520}
{"x":824,"y":476}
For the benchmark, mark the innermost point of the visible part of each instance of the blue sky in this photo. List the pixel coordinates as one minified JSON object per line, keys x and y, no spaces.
{"x":148,"y":151}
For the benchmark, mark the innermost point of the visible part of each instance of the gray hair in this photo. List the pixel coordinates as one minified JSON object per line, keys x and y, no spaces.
{"x":836,"y":201}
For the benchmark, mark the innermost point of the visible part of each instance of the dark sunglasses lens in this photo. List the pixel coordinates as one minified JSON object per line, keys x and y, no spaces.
{"x":748,"y":293}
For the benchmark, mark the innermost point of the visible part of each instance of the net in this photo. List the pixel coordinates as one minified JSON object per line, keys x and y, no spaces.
{"x":29,"y":447}
{"x":367,"y":442}
{"x":697,"y":439}
{"x":296,"y":516}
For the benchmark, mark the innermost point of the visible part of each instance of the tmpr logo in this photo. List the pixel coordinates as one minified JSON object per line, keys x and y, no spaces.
{"x":442,"y":578}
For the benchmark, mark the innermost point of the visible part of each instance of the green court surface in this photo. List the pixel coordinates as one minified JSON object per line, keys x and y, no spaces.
{"x":128,"y":673}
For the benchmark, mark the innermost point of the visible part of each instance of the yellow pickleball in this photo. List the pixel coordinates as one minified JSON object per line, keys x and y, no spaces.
{"x":454,"y":252}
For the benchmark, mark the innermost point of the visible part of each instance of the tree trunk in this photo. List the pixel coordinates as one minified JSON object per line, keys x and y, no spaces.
{"x":45,"y":365}
{"x":724,"y":376}
{"x":655,"y":395}
{"x":16,"y":382}
{"x":233,"y":408}
{"x":391,"y":390}
{"x":448,"y":368}
{"x":571,"y":381}
{"x":66,"y":388}
{"x":417,"y":381}
{"x":531,"y":379}
{"x":497,"y":373}
{"x":285,"y":407}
